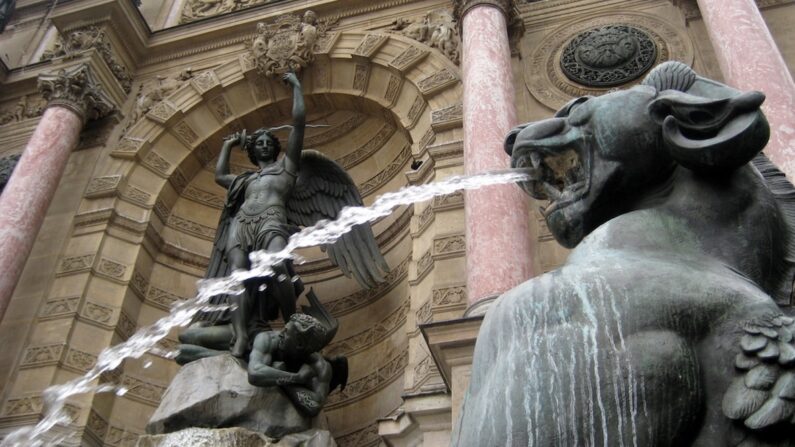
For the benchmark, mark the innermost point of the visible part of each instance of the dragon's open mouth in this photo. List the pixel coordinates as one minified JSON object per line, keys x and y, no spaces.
{"x":560,"y":175}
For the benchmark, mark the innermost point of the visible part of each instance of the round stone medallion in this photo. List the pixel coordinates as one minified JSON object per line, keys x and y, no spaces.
{"x":608,"y":56}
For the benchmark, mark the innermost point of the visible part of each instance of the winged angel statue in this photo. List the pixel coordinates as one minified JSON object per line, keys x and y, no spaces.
{"x":263,"y":208}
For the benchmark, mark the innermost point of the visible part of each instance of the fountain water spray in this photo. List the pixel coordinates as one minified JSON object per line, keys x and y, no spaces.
{"x":145,"y":340}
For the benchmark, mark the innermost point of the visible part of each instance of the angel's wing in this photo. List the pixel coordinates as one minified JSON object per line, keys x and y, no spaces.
{"x":322,"y":189}
{"x":763,"y":395}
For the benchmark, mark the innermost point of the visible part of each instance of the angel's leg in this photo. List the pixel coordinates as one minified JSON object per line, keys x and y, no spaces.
{"x":284,"y":292}
{"x":239,"y":261}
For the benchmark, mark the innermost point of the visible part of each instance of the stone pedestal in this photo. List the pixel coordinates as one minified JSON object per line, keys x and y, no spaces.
{"x":499,"y":247}
{"x":750,"y":60}
{"x":235,"y":437}
{"x":214,"y":392}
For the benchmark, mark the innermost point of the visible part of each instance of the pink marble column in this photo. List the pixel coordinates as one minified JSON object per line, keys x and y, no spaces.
{"x":72,"y":96}
{"x":499,"y":247}
{"x":750,"y":60}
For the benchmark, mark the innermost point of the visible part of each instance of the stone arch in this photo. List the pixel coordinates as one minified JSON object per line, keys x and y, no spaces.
{"x":148,"y":172}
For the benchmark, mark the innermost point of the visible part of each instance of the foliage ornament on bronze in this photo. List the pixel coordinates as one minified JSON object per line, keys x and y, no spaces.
{"x":665,"y":326}
{"x":288,"y":43}
{"x":608,"y":56}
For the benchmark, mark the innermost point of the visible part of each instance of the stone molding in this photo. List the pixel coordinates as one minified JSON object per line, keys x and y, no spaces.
{"x":76,"y":89}
{"x":462,"y":7}
{"x":374,"y":381}
{"x":370,"y":336}
{"x":363,"y":437}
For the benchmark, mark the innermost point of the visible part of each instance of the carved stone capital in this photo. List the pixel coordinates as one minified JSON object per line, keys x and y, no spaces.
{"x":462,"y":7}
{"x":77,"y":89}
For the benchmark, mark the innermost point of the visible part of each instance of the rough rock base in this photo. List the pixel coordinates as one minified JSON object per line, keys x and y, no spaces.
{"x":214,"y":393}
{"x":235,"y":437}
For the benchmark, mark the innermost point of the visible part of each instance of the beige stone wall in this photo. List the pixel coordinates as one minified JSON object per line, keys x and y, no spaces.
{"x":131,"y":227}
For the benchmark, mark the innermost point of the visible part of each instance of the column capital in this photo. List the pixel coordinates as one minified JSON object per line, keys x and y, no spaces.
{"x":462,"y":7}
{"x":76,"y":89}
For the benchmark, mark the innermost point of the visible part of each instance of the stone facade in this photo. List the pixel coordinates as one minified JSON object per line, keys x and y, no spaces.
{"x":131,"y":224}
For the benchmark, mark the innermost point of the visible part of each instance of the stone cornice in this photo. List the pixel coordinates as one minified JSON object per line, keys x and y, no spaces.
{"x":76,"y":88}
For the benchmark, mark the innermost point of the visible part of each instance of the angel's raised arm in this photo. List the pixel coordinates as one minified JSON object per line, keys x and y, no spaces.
{"x":295,"y":143}
{"x":222,"y":175}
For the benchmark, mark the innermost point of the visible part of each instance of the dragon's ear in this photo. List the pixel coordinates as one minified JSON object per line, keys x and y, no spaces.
{"x":711,"y":135}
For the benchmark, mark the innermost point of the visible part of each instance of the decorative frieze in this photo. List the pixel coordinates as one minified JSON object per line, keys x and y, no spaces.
{"x":59,"y":307}
{"x":379,"y":378}
{"x":128,"y":147}
{"x":121,"y":437}
{"x":162,"y":299}
{"x":29,"y":405}
{"x":162,"y":112}
{"x":204,"y":197}
{"x":424,"y":266}
{"x":408,"y":58}
{"x":103,"y":186}
{"x":178,"y":180}
{"x":191,"y":227}
{"x":111,"y":269}
{"x":427,"y":138}
{"x":424,"y":313}
{"x":125,"y":326}
{"x":449,"y":296}
{"x":415,"y":110}
{"x":392,"y":89}
{"x":79,"y":361}
{"x":185,"y":133}
{"x":366,"y":297}
{"x":371,"y":336}
{"x":437,"y":81}
{"x":206,"y":82}
{"x":75,"y":264}
{"x":36,"y":356}
{"x":98,"y":314}
{"x":97,"y":425}
{"x":139,"y":284}
{"x":369,"y":148}
{"x":156,"y":163}
{"x":370,"y":44}
{"x":142,"y":391}
{"x":365,"y":437}
{"x":449,"y":246}
{"x":447,"y":118}
{"x":137,"y":196}
{"x":336,"y":131}
{"x":397,"y":165}
{"x":361,"y":74}
{"x":78,"y":90}
{"x":220,"y":108}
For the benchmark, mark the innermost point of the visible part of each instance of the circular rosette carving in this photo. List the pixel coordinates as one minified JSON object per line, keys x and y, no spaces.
{"x":608,"y":56}
{"x":593,"y":55}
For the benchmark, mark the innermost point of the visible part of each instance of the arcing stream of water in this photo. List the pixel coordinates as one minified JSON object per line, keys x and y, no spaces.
{"x":145,"y":340}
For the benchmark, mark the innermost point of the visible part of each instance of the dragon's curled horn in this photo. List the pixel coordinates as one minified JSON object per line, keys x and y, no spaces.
{"x":706,"y":125}
{"x":316,"y":310}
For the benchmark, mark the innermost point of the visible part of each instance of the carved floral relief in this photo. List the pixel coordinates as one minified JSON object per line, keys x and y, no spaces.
{"x":288,"y":43}
{"x":437,"y":29}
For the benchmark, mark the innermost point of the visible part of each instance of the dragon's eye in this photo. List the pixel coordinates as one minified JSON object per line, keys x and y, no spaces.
{"x":568,"y":108}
